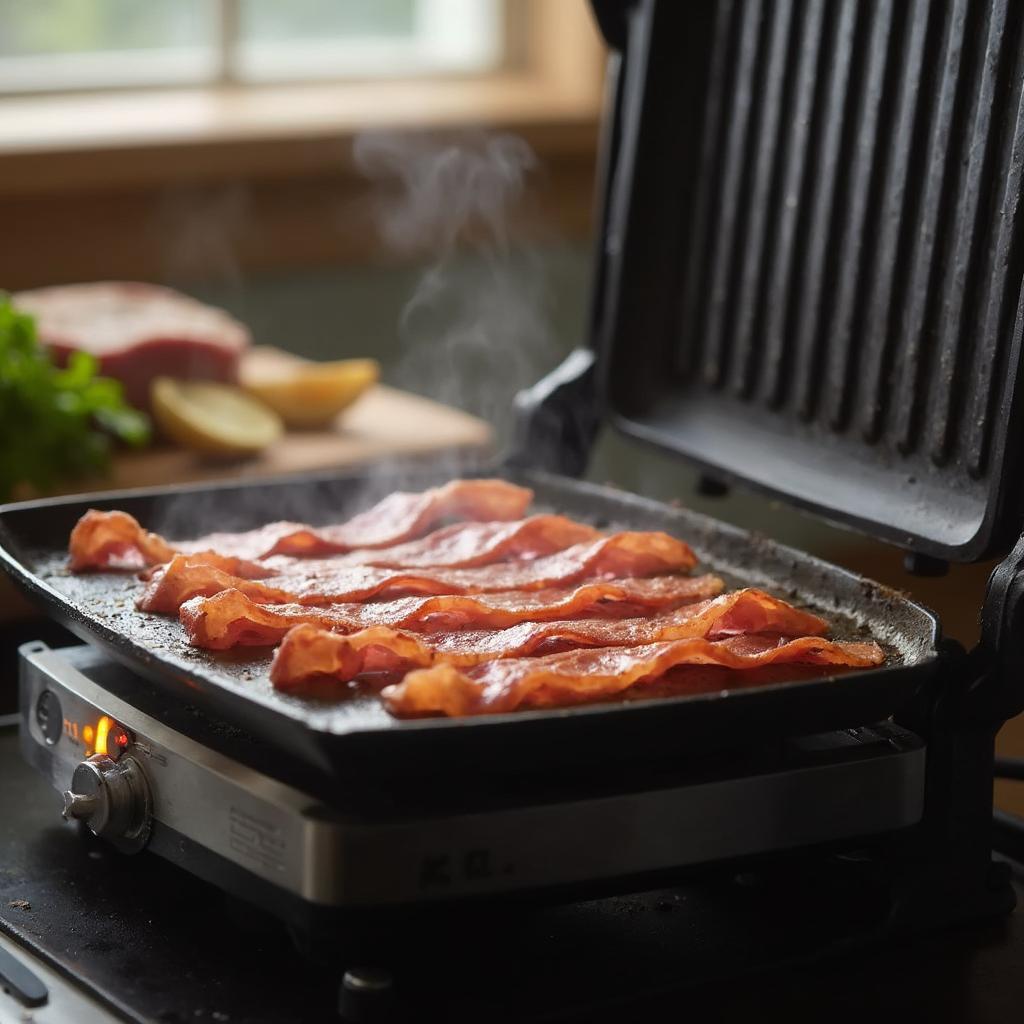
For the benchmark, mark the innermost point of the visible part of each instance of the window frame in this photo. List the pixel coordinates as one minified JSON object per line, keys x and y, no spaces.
{"x":226,"y":62}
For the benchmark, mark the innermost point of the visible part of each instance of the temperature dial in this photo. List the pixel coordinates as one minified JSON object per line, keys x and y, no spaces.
{"x":112,"y":798}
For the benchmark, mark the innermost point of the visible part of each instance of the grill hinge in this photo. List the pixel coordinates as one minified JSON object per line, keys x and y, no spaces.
{"x":557,"y":419}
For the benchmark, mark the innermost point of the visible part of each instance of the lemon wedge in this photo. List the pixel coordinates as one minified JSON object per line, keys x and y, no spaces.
{"x":214,"y":419}
{"x":308,"y":395}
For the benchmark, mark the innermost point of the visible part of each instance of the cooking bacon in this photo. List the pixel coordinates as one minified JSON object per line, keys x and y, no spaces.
{"x":398,"y":517}
{"x":589,"y":674}
{"x":310,"y":654}
{"x":458,"y":546}
{"x":230,"y":619}
{"x":324,"y":582}
{"x":467,"y":545}
{"x":104,"y":540}
{"x":114,"y":540}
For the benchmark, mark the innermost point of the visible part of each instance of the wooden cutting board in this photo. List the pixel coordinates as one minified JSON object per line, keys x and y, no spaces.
{"x":383,"y":423}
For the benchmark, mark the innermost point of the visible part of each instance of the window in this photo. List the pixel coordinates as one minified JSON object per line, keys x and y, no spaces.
{"x":60,"y":45}
{"x":87,"y":152}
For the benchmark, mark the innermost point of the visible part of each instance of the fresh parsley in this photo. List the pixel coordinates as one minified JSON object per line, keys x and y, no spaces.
{"x":55,"y":423}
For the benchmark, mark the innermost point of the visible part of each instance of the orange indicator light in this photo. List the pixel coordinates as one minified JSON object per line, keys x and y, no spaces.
{"x":103,"y":727}
{"x":87,"y":734}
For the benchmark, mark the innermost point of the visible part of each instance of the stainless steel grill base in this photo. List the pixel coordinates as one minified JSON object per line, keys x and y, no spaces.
{"x":242,"y":828}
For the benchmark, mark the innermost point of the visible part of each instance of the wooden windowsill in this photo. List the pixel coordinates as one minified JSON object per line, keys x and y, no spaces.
{"x":77,"y":142}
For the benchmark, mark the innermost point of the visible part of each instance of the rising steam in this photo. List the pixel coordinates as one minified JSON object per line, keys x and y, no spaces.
{"x":476,"y":328}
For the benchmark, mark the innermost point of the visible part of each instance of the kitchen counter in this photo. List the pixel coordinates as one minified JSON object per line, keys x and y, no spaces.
{"x":166,"y":947}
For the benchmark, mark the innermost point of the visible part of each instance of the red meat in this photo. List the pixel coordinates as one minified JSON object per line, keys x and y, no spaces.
{"x":137,"y":332}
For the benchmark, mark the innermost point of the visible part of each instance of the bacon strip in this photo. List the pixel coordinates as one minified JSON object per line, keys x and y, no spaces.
{"x":114,"y":540}
{"x":399,"y":517}
{"x":231,"y":619}
{"x":622,"y":554}
{"x":458,"y":546}
{"x":595,"y":673}
{"x":102,"y":540}
{"x":310,"y":654}
{"x":467,"y":545}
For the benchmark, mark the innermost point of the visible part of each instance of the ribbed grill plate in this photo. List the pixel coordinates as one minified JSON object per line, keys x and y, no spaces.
{"x":816,"y":257}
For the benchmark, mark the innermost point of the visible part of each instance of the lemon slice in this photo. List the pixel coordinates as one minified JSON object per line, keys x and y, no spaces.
{"x":215,"y":419}
{"x":311,"y":394}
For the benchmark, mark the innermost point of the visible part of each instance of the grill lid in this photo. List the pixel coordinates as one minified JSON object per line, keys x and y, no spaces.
{"x":810,"y":279}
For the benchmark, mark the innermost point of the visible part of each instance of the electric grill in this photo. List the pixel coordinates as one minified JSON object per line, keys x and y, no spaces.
{"x":808,"y":282}
{"x":323,"y":839}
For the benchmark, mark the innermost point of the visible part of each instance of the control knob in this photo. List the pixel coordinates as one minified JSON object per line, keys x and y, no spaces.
{"x":112,"y":798}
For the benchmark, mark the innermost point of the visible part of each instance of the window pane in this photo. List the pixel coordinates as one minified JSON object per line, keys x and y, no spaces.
{"x":77,"y":26}
{"x":315,"y":19}
{"x":67,"y":43}
{"x":330,"y":39}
